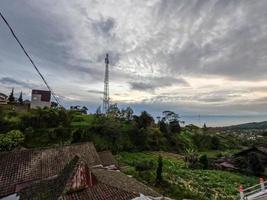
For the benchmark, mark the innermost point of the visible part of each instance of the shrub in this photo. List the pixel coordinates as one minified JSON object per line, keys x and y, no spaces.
{"x":78,"y":118}
{"x":11,"y":140}
{"x":204,"y":161}
{"x":159,"y":170}
{"x":255,"y":164}
{"x":215,"y":143}
{"x":144,"y":165}
{"x":241,"y":162}
{"x":191,"y":158}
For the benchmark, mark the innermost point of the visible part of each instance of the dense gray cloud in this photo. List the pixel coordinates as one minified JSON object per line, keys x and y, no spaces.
{"x":15,"y":83}
{"x":152,"y":83}
{"x":96,"y":91}
{"x":202,"y":55}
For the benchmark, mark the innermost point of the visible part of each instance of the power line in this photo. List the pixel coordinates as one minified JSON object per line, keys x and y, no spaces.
{"x":28,"y":56}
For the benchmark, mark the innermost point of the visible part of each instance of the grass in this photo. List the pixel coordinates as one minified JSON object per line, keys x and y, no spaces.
{"x":181,"y":182}
{"x":82,"y":120}
{"x":216,"y":153}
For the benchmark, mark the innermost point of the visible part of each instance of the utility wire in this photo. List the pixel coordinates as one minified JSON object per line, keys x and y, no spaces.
{"x":25,"y":52}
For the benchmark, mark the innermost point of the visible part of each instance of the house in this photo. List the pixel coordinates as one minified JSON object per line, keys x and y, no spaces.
{"x":41,"y":99}
{"x":241,"y":161}
{"x":69,"y":172}
{"x":15,"y":105}
{"x":3,"y":99}
{"x":226,"y":163}
{"x":260,"y":151}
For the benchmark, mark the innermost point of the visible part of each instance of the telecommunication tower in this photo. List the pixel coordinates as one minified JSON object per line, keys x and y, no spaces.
{"x":106,"y":87}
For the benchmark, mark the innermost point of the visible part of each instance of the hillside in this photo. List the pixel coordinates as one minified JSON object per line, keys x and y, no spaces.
{"x":251,"y":125}
{"x":180,"y":182}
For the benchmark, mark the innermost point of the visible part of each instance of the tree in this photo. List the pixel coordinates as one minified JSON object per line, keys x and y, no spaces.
{"x":159,"y":170}
{"x":54,"y":104}
{"x":205,"y":127}
{"x":204,"y":161}
{"x":255,"y":164}
{"x":127,"y":114}
{"x":114,"y":111}
{"x":80,"y":109}
{"x":215,"y":143}
{"x":163,"y":127}
{"x":20,"y":98}
{"x":175,"y":126}
{"x":84,"y":110}
{"x":172,"y":120}
{"x":144,"y":120}
{"x":63,"y":134}
{"x":11,"y":97}
{"x":98,"y":110}
{"x":154,"y":138}
{"x":169,"y":116}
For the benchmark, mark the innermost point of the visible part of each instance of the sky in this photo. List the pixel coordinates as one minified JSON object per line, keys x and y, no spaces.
{"x":195,"y":57}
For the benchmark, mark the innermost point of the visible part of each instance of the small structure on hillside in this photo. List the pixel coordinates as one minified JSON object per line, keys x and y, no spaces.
{"x":13,"y":103}
{"x":3,"y":99}
{"x":252,"y":160}
{"x":41,"y":99}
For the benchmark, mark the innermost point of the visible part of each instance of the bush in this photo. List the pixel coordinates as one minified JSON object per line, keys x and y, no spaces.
{"x":159,"y":170}
{"x":204,"y":161}
{"x":78,"y":118}
{"x":144,"y":165}
{"x":255,"y":164}
{"x":11,"y":140}
{"x":215,"y":143}
{"x":191,"y":158}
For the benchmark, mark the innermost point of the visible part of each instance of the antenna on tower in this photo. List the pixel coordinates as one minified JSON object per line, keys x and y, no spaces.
{"x":106,"y":87}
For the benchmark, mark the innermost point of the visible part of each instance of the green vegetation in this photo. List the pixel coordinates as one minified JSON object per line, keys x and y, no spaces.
{"x":184,"y":173}
{"x":120,"y":130}
{"x":10,"y":140}
{"x":252,"y":125}
{"x":182,"y":182}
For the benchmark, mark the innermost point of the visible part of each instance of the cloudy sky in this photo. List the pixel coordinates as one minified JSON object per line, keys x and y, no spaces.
{"x":196,"y":57}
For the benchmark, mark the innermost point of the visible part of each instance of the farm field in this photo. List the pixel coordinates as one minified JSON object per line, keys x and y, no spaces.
{"x":180,"y":182}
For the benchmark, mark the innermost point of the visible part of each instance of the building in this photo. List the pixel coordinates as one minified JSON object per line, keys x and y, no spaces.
{"x":3,"y":99}
{"x":41,"y":99}
{"x":240,"y":161}
{"x":5,"y":104}
{"x":69,"y":172}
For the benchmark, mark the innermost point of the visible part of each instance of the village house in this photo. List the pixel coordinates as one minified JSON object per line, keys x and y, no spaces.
{"x":240,"y":161}
{"x":3,"y":99}
{"x":69,"y":172}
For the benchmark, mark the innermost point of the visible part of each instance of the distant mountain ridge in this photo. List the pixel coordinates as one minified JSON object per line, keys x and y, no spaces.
{"x":251,"y":125}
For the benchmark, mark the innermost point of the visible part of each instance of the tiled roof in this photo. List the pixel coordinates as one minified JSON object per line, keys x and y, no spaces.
{"x":48,"y":174}
{"x":49,"y":188}
{"x":122,"y":181}
{"x":107,"y":158}
{"x":100,"y":191}
{"x":262,"y":149}
{"x":29,"y":165}
{"x":56,"y":188}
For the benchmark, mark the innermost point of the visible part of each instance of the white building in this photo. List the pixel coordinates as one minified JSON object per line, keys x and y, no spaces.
{"x":40,"y":98}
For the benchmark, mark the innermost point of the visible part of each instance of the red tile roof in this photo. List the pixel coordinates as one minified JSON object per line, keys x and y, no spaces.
{"x":29,"y":165}
{"x":47,"y":174}
{"x":100,"y":191}
{"x":107,"y":158}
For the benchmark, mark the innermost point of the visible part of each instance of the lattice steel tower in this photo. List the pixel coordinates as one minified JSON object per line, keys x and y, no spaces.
{"x":106,"y":87}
